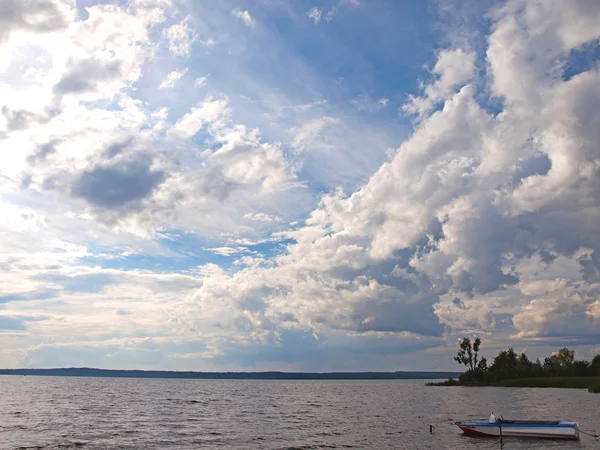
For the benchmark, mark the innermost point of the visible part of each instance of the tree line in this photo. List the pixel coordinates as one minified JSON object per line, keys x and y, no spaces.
{"x":508,"y":364}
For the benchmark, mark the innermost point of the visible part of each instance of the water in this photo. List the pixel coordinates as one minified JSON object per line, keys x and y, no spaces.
{"x":111,"y":413}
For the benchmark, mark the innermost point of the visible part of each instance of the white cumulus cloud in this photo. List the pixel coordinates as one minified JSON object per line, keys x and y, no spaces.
{"x":245,"y":17}
{"x":181,"y":36}
{"x":172,"y":79}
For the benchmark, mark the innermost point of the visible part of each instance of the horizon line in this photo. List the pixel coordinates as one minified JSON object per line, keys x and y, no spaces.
{"x":273,"y":374}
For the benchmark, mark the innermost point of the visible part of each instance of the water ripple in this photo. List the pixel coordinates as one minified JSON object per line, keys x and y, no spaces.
{"x":101,"y":413}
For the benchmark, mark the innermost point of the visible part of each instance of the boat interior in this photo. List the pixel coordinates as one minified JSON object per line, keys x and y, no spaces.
{"x":541,"y":422}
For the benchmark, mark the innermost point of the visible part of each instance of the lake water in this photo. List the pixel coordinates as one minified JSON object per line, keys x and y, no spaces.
{"x":112,"y":413}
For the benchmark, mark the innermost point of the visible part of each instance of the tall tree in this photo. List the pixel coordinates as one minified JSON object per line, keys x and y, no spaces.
{"x":560,"y":363}
{"x":468,"y":353}
{"x":505,"y":365}
{"x":565,"y":357}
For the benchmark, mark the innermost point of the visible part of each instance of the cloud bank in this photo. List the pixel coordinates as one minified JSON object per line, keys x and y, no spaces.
{"x":483,"y":220}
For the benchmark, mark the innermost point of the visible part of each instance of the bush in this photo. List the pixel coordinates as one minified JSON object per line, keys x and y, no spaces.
{"x":594,"y":387}
{"x":450,"y":382}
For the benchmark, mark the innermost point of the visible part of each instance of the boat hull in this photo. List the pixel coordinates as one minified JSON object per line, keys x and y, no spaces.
{"x":558,"y":430}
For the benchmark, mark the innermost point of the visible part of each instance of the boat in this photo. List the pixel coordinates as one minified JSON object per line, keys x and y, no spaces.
{"x":545,"y":429}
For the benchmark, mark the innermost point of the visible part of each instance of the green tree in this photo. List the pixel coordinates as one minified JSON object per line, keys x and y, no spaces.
{"x":482,"y":365}
{"x":551,"y":367}
{"x":537,"y":370}
{"x":505,"y":365}
{"x":561,"y":363}
{"x":595,"y":365}
{"x":565,"y":357}
{"x":581,"y":368}
{"x":524,"y":366}
{"x":468,"y":353}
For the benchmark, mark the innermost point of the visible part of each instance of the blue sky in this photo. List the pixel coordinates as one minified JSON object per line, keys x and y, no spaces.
{"x":297,"y":185}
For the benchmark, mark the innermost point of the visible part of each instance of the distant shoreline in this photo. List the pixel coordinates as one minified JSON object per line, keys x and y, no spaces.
{"x":592,"y":383}
{"x":271,"y":375}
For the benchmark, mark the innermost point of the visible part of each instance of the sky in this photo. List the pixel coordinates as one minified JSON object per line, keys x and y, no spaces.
{"x":312,"y":185}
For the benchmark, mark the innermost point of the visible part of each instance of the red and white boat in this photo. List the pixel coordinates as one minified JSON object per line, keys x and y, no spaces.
{"x":546,"y":429}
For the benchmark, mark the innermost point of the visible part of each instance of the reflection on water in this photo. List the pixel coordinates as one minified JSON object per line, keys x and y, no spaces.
{"x":107,"y":413}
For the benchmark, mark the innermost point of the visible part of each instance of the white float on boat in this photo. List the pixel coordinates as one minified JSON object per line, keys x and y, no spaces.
{"x":545,"y":429}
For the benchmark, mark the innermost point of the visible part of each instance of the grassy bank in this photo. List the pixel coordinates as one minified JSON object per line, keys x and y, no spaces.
{"x":552,"y":382}
{"x":450,"y":382}
{"x":590,"y":383}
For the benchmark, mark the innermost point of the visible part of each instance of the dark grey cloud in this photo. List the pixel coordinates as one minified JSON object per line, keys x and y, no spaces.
{"x":119,"y":184}
{"x":214,"y":184}
{"x":117,"y":148}
{"x":308,"y":352}
{"x":485,"y":238}
{"x":288,"y":317}
{"x":538,"y":164}
{"x":43,"y":151}
{"x":255,"y":300}
{"x":33,"y":15}
{"x":395,"y":312}
{"x":16,"y":119}
{"x":459,"y":304}
{"x":85,"y":76}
